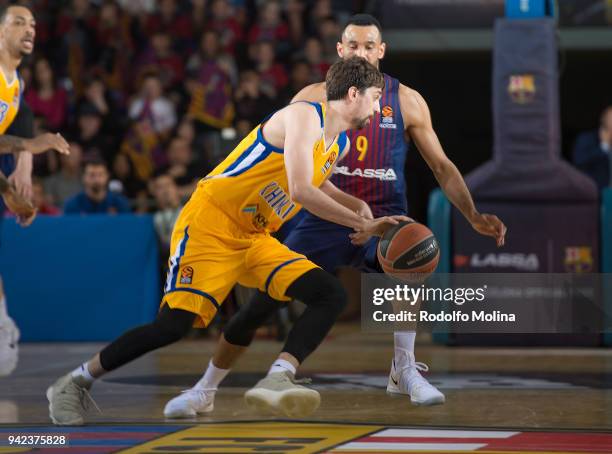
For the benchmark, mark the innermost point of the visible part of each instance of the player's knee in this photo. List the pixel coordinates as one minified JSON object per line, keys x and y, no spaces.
{"x":240,"y":330}
{"x":320,"y":288}
{"x":338,"y":297}
{"x":237,"y":330}
{"x":173,"y":324}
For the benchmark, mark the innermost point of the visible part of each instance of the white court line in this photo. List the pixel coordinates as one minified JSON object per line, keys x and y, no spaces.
{"x":433,"y":433}
{"x":435,"y":447}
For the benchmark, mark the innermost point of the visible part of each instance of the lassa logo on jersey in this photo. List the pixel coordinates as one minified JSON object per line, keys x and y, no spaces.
{"x":381,"y":174}
{"x":387,"y":118}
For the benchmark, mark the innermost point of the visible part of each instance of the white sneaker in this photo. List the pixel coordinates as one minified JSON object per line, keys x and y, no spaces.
{"x":9,"y":349}
{"x":406,"y":379}
{"x":190,"y":403}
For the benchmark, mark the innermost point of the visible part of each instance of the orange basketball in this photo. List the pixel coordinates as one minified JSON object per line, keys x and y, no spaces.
{"x":409,"y":250}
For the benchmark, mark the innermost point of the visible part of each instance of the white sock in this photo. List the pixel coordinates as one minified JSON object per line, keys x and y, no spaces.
{"x":82,"y":373}
{"x":404,"y":346}
{"x":280,"y":365}
{"x":212,"y":378}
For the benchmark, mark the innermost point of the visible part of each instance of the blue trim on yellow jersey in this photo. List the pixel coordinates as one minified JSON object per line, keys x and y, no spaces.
{"x":277,"y":269}
{"x":235,"y":170}
{"x":241,"y":158}
{"x":197,"y":292}
{"x":261,"y":139}
{"x":342,"y":139}
{"x":252,"y":150}
{"x":175,"y":268}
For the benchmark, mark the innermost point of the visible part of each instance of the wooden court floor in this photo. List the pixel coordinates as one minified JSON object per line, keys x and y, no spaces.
{"x":498,"y":400}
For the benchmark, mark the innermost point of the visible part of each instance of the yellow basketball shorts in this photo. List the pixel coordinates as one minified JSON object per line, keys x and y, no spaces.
{"x":210,"y":253}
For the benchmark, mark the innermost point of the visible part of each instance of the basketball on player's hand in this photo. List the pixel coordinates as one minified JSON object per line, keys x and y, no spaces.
{"x":408,"y":250}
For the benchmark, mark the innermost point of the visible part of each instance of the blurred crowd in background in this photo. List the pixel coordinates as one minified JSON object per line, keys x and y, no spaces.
{"x":152,"y":94}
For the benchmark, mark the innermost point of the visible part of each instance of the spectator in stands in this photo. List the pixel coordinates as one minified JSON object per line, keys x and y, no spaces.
{"x":320,"y":10}
{"x":152,"y":105}
{"x":75,"y":32}
{"x":40,"y":199}
{"x":300,"y":77}
{"x":116,"y":45}
{"x":144,"y":147}
{"x":90,"y":136}
{"x":209,"y":86}
{"x":161,"y":58}
{"x":168,"y":207}
{"x":96,"y":95}
{"x":270,"y":27}
{"x":169,"y":20}
{"x":329,"y":31}
{"x":45,"y":97}
{"x":96,"y":198}
{"x":313,"y":52}
{"x":252,"y":102}
{"x":272,"y":74}
{"x":138,"y":8}
{"x":68,"y":181}
{"x":296,"y":21}
{"x":210,"y":54}
{"x":199,"y":13}
{"x":182,"y":166}
{"x":123,"y":180}
{"x":593,"y":153}
{"x":224,"y":22}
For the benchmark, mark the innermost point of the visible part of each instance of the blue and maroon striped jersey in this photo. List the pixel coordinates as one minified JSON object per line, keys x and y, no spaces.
{"x":373,"y":170}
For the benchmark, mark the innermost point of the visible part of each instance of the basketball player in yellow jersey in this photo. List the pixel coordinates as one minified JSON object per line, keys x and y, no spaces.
{"x":222,"y":237}
{"x":16,"y":40}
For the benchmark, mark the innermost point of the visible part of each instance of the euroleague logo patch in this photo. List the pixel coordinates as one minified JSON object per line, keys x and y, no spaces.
{"x":387,"y":118}
{"x":187,"y":275}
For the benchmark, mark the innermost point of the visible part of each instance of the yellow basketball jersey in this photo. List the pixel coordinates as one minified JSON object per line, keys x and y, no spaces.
{"x":9,"y":100}
{"x":251,"y":186}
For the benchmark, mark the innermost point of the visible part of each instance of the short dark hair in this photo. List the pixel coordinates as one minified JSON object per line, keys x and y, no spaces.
{"x":95,"y":162}
{"x":363,"y":20}
{"x":4,"y":9}
{"x":352,"y":72}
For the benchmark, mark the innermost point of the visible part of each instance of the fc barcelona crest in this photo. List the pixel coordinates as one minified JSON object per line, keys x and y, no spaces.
{"x":522,"y":88}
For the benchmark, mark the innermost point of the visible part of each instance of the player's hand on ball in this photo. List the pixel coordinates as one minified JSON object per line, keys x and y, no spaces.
{"x":47,"y":141}
{"x":490,"y":225}
{"x":23,"y":209}
{"x":375,"y":227}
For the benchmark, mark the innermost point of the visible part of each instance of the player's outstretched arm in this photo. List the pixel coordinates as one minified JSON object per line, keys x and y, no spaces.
{"x":37,"y":145}
{"x":23,"y":209}
{"x":418,"y":119}
{"x":311,"y":93}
